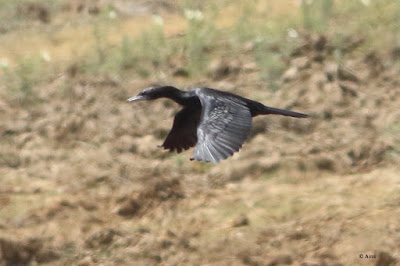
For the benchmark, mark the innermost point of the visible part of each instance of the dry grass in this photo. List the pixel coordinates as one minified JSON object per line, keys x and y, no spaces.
{"x":82,"y":181}
{"x":323,"y":218}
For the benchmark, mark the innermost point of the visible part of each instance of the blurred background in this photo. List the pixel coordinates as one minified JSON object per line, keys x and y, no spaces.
{"x":82,"y":181}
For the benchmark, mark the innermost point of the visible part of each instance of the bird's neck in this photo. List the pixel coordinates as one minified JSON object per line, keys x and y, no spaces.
{"x":176,"y":95}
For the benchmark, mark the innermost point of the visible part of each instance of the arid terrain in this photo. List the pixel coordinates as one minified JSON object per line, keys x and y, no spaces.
{"x":82,"y":181}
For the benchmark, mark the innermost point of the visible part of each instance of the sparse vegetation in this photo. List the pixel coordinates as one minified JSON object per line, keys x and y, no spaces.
{"x":200,"y":34}
{"x":316,"y":14}
{"x":20,"y":81}
{"x":83,"y":182}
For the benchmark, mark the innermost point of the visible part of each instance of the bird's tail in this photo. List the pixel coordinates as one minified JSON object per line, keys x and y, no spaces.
{"x":276,"y":111}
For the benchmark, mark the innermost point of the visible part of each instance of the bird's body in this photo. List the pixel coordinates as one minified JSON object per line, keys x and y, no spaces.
{"x":215,"y":122}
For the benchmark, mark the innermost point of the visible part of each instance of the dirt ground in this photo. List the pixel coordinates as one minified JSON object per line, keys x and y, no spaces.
{"x":84,"y":183}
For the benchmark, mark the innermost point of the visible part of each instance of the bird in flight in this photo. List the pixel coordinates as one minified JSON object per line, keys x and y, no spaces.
{"x":215,"y":122}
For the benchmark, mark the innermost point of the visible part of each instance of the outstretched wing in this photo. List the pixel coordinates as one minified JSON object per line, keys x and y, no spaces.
{"x":224,"y":126}
{"x":183,"y":133}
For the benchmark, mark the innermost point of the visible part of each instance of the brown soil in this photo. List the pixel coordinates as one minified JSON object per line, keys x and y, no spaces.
{"x":84,"y":183}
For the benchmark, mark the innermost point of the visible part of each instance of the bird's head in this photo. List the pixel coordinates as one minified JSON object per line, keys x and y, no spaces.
{"x":153,"y":93}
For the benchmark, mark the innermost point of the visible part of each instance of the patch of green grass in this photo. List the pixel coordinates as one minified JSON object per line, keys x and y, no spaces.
{"x":200,"y":35}
{"x":377,"y":21}
{"x":20,"y":80}
{"x":100,"y":46}
{"x":148,"y":53}
{"x":268,"y":35}
{"x":316,"y":14}
{"x":270,"y":62}
{"x":142,"y":54}
{"x":243,"y":29}
{"x":127,"y":56}
{"x":99,"y":60}
{"x":152,"y":47}
{"x":272,"y":37}
{"x":393,"y":131}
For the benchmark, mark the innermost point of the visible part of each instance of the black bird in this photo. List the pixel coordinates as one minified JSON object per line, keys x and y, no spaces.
{"x":216,"y":122}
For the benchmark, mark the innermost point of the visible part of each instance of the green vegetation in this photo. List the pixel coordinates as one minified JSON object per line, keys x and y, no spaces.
{"x":272,"y":36}
{"x":316,"y":14}
{"x":21,"y":80}
{"x":200,"y":35}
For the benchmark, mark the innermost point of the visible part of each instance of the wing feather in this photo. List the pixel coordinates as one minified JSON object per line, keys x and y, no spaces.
{"x":183,"y":134}
{"x":224,"y":125}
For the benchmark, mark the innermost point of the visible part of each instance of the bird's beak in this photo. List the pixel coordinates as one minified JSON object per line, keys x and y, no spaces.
{"x":136,"y":98}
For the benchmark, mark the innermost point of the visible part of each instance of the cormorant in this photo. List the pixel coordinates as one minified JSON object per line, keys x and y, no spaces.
{"x":216,"y":122}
